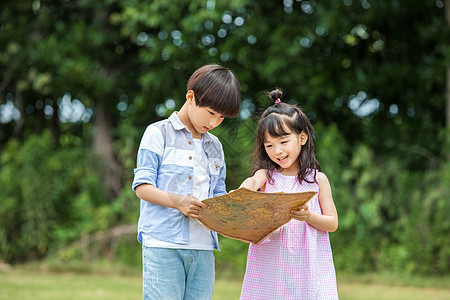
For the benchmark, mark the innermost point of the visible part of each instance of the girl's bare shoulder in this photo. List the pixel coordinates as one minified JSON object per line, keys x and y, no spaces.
{"x":322,"y":177}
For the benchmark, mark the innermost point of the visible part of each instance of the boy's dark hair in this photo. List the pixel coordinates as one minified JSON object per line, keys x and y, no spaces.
{"x":216,"y":87}
{"x":273,"y":122}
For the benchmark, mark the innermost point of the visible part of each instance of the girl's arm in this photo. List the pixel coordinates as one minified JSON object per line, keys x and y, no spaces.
{"x":188,"y":205}
{"x":328,"y":221}
{"x":256,"y":181}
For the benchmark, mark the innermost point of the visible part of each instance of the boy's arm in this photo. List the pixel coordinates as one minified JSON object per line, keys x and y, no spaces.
{"x":149,"y":160}
{"x":188,"y":205}
{"x":220,"y":188}
{"x":256,"y":181}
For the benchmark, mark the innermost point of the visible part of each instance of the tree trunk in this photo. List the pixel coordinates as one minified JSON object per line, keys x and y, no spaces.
{"x":19,"y":105}
{"x":103,"y":144}
{"x":447,"y":94}
{"x":447,"y":16}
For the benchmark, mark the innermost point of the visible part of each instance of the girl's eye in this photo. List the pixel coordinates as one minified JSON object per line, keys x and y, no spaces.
{"x":268,"y":146}
{"x":284,"y":142}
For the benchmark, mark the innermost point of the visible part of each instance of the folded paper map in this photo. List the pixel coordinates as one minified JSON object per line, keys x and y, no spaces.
{"x":251,"y":216}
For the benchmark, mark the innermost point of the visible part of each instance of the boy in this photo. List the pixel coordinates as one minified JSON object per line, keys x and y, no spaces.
{"x":178,"y":163}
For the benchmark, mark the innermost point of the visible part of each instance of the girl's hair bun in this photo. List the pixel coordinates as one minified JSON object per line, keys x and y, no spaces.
{"x":276,"y":95}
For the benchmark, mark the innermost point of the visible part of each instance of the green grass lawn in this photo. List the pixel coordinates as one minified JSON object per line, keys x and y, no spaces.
{"x":26,"y":284}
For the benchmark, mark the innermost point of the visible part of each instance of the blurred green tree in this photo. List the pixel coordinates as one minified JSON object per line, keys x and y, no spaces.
{"x":370,"y":75}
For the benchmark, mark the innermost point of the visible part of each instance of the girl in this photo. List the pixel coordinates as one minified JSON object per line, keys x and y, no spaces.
{"x":295,"y":262}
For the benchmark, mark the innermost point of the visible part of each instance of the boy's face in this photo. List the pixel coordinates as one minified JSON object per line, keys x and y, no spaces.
{"x":203,"y":119}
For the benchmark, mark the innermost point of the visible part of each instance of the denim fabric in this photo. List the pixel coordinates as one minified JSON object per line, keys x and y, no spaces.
{"x":165,"y":161}
{"x":177,"y":274}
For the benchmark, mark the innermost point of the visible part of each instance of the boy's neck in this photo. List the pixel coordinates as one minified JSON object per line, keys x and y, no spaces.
{"x":184,"y":118}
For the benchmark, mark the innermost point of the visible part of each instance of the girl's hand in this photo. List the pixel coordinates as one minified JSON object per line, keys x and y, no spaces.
{"x":302,"y":214}
{"x":256,"y":181}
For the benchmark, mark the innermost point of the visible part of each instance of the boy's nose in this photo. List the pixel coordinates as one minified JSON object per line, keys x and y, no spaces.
{"x":215,"y":122}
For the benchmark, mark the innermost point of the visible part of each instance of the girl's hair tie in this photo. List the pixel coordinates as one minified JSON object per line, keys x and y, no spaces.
{"x":278,"y":100}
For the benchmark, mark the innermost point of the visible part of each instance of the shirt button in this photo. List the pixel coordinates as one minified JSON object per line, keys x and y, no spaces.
{"x":190,"y":157}
{"x":190,"y":177}
{"x":189,"y":142}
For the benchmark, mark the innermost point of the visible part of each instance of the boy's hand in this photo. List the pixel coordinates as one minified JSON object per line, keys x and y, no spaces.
{"x":302,"y":214}
{"x":191,"y":207}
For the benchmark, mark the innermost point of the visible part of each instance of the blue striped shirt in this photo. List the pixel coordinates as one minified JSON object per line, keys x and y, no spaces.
{"x":165,"y":161}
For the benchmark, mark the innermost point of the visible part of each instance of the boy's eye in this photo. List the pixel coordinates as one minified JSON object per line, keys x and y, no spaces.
{"x":213,"y":114}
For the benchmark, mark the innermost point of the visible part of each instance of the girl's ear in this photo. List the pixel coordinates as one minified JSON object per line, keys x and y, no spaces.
{"x":190,"y":97}
{"x":303,"y":137}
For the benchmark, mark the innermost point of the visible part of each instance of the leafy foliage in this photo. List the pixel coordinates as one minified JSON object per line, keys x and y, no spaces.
{"x":370,"y":75}
{"x":50,"y":196}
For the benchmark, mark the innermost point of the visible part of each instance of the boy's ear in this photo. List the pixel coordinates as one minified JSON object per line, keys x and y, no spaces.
{"x":303,"y":137}
{"x":190,"y":97}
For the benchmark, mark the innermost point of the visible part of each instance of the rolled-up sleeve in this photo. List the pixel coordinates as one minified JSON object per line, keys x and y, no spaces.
{"x":149,"y":157}
{"x":220,"y":188}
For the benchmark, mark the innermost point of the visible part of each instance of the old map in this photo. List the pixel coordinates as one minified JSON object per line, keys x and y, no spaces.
{"x":251,"y":216}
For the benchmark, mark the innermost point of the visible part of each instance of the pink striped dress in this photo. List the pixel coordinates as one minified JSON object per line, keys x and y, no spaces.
{"x":296,"y":261}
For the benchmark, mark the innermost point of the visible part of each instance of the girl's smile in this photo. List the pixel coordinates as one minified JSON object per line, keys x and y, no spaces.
{"x":282,"y":159}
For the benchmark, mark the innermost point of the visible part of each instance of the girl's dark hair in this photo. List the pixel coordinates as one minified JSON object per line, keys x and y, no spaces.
{"x":274,"y":121}
{"x":216,"y":87}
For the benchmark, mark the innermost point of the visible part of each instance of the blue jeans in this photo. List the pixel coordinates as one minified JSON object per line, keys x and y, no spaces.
{"x":177,"y":274}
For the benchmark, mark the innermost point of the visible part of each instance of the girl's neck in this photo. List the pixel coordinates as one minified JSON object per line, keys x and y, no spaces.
{"x":288,"y":172}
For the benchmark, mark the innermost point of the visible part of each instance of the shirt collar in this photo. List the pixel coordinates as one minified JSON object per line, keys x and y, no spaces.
{"x":176,"y":122}
{"x":178,"y":125}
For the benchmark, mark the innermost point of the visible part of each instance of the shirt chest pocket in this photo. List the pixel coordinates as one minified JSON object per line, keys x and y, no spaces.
{"x":215,"y":164}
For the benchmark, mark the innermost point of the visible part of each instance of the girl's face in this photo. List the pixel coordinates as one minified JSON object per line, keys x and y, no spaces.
{"x":284,"y":150}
